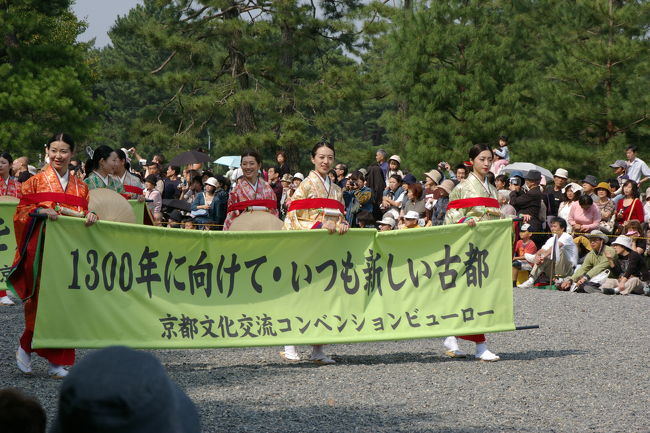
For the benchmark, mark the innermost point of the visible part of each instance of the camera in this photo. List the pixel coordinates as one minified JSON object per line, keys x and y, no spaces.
{"x":515,"y":181}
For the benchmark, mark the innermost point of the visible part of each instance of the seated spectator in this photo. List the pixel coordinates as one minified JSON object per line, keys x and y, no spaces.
{"x":387,"y":223}
{"x":153,"y":197}
{"x":20,"y":413}
{"x":557,"y":257}
{"x":629,"y":207}
{"x":588,"y":185}
{"x":414,"y":201}
{"x":394,"y":163}
{"x":631,"y":268}
{"x":365,"y":220}
{"x":209,"y":207}
{"x":431,"y":181}
{"x":504,"y":201}
{"x":646,"y":206}
{"x":572,"y":192}
{"x":118,"y":389}
{"x":440,"y":209}
{"x":411,"y":220}
{"x":522,"y":247}
{"x":606,"y":208}
{"x":584,"y":215}
{"x":195,"y":187}
{"x":633,"y":230}
{"x":596,"y":263}
{"x":393,"y":197}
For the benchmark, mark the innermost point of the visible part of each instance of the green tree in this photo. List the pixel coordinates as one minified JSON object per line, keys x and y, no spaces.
{"x":45,"y":76}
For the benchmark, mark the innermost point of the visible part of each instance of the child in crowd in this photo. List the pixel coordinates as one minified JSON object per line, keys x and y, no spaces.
{"x":393,"y":168}
{"x":522,"y":247}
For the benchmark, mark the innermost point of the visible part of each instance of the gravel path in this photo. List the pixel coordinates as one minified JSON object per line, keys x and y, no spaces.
{"x":586,"y":369}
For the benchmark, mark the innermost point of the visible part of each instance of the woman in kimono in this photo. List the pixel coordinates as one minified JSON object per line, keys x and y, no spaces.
{"x":10,"y":186}
{"x":473,"y":200}
{"x":316,"y":203}
{"x":100,"y":169}
{"x":50,"y":193}
{"x":133,"y":186}
{"x":250,"y":192}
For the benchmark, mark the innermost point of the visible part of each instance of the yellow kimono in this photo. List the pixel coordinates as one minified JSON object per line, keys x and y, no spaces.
{"x":472,"y":188}
{"x":314,"y":187}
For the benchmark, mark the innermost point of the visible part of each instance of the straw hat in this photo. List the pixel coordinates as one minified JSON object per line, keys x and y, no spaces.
{"x":286,"y":178}
{"x":623,"y":241}
{"x":434,"y":175}
{"x":387,"y":220}
{"x":110,"y":206}
{"x":447,"y":185}
{"x":212,"y":181}
{"x":256,"y":221}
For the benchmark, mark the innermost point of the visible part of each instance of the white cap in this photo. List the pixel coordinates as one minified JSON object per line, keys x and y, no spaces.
{"x":299,"y":176}
{"x":212,"y":181}
{"x":560,"y":172}
{"x":412,"y":215}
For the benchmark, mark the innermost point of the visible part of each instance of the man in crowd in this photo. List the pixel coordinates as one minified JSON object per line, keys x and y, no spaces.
{"x":21,"y":168}
{"x":274,"y":180}
{"x":527,"y":200}
{"x":153,"y":169}
{"x":555,"y":192}
{"x":588,"y":184}
{"x":341,"y":173}
{"x":637,"y":170}
{"x":557,"y":257}
{"x":596,"y":261}
{"x":620,"y":170}
{"x":461,"y":172}
{"x":380,"y":157}
{"x":632,"y":270}
{"x":171,"y":183}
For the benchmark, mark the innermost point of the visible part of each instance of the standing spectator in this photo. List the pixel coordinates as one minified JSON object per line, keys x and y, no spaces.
{"x":522,"y":247}
{"x":630,"y":207}
{"x":557,"y":257}
{"x":440,"y":208}
{"x":588,"y":185}
{"x":555,"y":191}
{"x":636,"y":167}
{"x":153,"y":198}
{"x":153,"y":169}
{"x":341,"y":175}
{"x":297,"y":179}
{"x":620,"y":169}
{"x":171,"y":183}
{"x":282,"y":164}
{"x":461,"y":172}
{"x":357,"y":197}
{"x":394,"y":167}
{"x":501,"y":182}
{"x":606,"y":208}
{"x":274,"y":181}
{"x":287,"y":191}
{"x":503,"y":152}
{"x":528,"y":202}
{"x":377,"y":184}
{"x":20,"y":168}
{"x":631,"y":268}
{"x":431,"y":181}
{"x":101,"y":168}
{"x":380,"y":157}
{"x":572,"y":193}
{"x":393,"y":196}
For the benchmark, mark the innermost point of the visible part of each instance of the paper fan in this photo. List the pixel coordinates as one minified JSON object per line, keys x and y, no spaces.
{"x":110,"y":206}
{"x":256,"y":221}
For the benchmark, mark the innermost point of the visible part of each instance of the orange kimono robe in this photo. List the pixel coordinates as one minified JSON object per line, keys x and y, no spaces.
{"x":29,"y":233}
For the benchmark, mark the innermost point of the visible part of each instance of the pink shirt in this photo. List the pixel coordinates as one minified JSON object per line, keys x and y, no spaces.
{"x":589,"y":219}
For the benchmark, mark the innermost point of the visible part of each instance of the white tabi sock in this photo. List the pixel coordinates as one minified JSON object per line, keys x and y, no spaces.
{"x":451,"y":343}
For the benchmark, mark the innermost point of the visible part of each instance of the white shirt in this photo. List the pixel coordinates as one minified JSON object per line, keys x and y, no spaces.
{"x":637,"y":168}
{"x":63,"y":179}
{"x":568,"y":246}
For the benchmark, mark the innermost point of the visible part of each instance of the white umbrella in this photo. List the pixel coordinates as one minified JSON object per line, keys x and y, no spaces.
{"x":229,"y":161}
{"x":525,"y":167}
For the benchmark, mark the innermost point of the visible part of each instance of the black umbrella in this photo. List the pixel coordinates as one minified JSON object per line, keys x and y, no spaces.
{"x":177,"y":204}
{"x":190,"y":157}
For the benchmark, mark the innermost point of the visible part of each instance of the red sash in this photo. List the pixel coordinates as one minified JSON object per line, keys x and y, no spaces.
{"x":57,"y":197}
{"x":316,"y":203}
{"x":243,"y":205}
{"x":471,"y":202}
{"x":133,"y":189}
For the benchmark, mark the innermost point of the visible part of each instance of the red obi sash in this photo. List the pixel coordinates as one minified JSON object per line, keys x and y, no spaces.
{"x":133,"y":189}
{"x":471,"y":202}
{"x":57,"y":197}
{"x":243,"y":205}
{"x":316,"y":203}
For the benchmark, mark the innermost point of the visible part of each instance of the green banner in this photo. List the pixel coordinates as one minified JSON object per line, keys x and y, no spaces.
{"x":7,"y":241}
{"x":150,"y":287}
{"x":138,"y":209}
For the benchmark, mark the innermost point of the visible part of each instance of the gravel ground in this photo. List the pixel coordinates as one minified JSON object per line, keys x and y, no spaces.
{"x":585,"y":369}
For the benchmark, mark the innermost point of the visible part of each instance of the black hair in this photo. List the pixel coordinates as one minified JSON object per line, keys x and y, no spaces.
{"x":62,"y":136}
{"x":152,"y":179}
{"x":475,"y":150}
{"x":502,"y":178}
{"x":21,"y":412}
{"x":207,"y":173}
{"x":122,"y":157}
{"x":560,"y":221}
{"x":102,"y":152}
{"x":613,"y":183}
{"x":576,"y":195}
{"x":8,"y":157}
{"x":461,"y":165}
{"x":632,"y":147}
{"x":585,"y":200}
{"x":275,"y":168}
{"x":322,"y":143}
{"x":365,"y":217}
{"x":252,"y":152}
{"x":635,"y":188}
{"x":176,"y":169}
{"x":197,"y":178}
{"x":222,"y":181}
{"x":357,"y":175}
{"x":490,"y":177}
{"x":397,"y":177}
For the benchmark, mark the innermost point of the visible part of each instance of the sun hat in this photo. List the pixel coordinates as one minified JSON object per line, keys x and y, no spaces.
{"x":623,"y":241}
{"x":447,"y":185}
{"x":299,"y":176}
{"x":118,"y":389}
{"x":412,"y":215}
{"x":387,"y":220}
{"x":591,"y":180}
{"x":560,"y":172}
{"x":434,"y":175}
{"x":286,"y":178}
{"x":597,"y":234}
{"x":212,"y":181}
{"x":605,"y":186}
{"x":533,"y":175}
{"x":396,"y":158}
{"x":574,"y":187}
